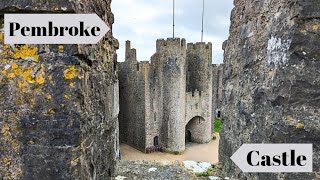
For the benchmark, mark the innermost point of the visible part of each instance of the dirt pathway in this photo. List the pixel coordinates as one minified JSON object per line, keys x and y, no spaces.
{"x":195,"y":152}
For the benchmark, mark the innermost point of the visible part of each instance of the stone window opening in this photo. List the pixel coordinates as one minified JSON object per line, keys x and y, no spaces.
{"x":138,"y":67}
{"x":155,"y":116}
{"x":219,"y":114}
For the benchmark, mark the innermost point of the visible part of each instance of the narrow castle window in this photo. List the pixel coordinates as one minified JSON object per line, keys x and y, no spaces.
{"x":137,"y":67}
{"x":155,"y":116}
{"x":219,"y":114}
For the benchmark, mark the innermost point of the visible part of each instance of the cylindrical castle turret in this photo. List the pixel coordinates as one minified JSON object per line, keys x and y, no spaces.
{"x":172,"y":61}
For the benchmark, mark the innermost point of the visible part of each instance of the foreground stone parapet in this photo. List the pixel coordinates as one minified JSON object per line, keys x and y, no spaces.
{"x":59,"y":104}
{"x":272,"y":80}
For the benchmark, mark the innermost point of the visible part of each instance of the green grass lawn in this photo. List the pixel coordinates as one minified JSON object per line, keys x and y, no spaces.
{"x":217,"y":125}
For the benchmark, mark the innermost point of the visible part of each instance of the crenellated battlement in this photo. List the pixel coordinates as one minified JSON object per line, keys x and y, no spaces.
{"x":196,"y":94}
{"x":199,"y":46}
{"x":137,"y":66}
{"x":170,"y":43}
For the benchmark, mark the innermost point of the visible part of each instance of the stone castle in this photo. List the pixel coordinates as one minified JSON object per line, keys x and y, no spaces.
{"x":171,"y":99}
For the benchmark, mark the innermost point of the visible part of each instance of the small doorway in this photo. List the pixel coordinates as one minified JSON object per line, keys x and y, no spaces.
{"x":188,"y":136}
{"x":156,"y":141}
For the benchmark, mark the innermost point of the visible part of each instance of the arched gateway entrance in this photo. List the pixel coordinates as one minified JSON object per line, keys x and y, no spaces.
{"x":194,"y":130}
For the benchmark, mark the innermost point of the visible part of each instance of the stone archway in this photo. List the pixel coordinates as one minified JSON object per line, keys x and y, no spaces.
{"x":194,"y":130}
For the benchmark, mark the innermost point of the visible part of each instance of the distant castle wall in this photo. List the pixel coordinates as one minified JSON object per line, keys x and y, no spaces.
{"x":217,"y":90}
{"x":132,"y":78}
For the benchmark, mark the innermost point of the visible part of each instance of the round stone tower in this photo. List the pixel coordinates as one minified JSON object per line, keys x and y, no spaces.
{"x":172,"y":80}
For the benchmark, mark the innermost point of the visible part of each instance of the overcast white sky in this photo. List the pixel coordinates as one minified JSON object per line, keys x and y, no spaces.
{"x":144,"y":21}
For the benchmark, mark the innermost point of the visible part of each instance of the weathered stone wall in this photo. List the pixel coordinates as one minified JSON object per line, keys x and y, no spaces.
{"x":199,"y":74}
{"x":59,"y":104}
{"x":132,"y":79}
{"x":272,"y":80}
{"x":217,"y":87}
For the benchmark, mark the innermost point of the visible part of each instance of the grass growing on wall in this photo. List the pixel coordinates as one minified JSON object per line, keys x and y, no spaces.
{"x":217,"y":125}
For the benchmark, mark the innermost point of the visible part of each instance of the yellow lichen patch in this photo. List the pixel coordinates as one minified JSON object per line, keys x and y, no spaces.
{"x":71,"y":72}
{"x":299,"y":125}
{"x":5,"y":60}
{"x":49,"y":97}
{"x":26,"y":52}
{"x":11,"y":75}
{"x":4,"y":72}
{"x":50,"y":79}
{"x":62,"y":105}
{"x":40,"y":79}
{"x":51,"y":111}
{"x":315,"y":27}
{"x":17,"y":72}
{"x":22,"y":85}
{"x":56,"y":9}
{"x":31,"y":142}
{"x":72,"y":84}
{"x":74,"y":162}
{"x":15,"y":143}
{"x":6,"y":161}
{"x":61,"y":48}
{"x":303,"y":31}
{"x":290,"y":118}
{"x":14,"y":66}
{"x":5,"y":130}
{"x":27,"y":75}
{"x":67,"y":97}
{"x":1,"y":36}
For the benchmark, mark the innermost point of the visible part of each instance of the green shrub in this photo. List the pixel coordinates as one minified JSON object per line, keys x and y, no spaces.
{"x":207,"y":173}
{"x":217,"y":125}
